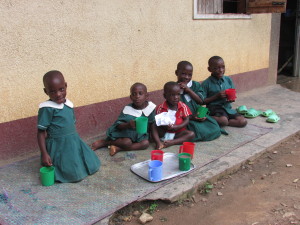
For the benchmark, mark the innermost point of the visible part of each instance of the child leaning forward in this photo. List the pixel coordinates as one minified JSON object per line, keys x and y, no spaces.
{"x":172,"y":118}
{"x":58,"y":140}
{"x":122,"y":135}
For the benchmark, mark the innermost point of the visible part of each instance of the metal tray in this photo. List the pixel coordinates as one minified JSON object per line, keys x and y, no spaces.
{"x":170,"y":167}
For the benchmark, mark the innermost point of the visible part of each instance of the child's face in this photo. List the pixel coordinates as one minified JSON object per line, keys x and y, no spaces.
{"x":172,"y":95}
{"x":139,"y":97}
{"x":184,"y":74}
{"x":217,"y":68}
{"x":56,"y":89}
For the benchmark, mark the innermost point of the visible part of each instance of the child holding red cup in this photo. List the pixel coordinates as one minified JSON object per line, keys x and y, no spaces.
{"x":214,"y":92}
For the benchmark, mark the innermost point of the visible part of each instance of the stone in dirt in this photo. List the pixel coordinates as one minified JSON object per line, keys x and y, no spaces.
{"x":145,"y":217}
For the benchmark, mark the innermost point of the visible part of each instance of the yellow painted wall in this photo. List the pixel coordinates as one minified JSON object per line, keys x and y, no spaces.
{"x":102,"y":47}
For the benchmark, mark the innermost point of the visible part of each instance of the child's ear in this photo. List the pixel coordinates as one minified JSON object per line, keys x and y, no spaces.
{"x":164,"y":95}
{"x":208,"y":68}
{"x":176,"y":72}
{"x":45,"y":91}
{"x":147,"y":96}
{"x":66,"y":85}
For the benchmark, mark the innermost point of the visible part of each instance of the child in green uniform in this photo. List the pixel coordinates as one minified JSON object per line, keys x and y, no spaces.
{"x":215,"y":98}
{"x":57,"y":137}
{"x":122,"y":135}
{"x":206,"y":128}
{"x":172,"y":118}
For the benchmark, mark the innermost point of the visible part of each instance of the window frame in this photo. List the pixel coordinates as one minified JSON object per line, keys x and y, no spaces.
{"x":225,"y":16}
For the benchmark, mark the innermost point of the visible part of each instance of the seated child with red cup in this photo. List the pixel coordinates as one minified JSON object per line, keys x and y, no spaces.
{"x":172,"y":118}
{"x":58,"y":140}
{"x":215,"y":97}
{"x":206,"y":128}
{"x":122,"y":135}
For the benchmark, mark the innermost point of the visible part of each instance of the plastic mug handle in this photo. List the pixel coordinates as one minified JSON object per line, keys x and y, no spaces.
{"x":150,"y":171}
{"x":181,"y":149}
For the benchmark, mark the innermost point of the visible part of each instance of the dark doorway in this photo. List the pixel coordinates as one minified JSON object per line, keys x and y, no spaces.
{"x":287,"y":39}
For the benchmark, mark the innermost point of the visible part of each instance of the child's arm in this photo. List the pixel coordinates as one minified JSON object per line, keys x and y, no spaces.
{"x":191,"y":93}
{"x":175,"y":127}
{"x":127,"y":125}
{"x":154,"y":132}
{"x":219,"y":95}
{"x":41,"y":138}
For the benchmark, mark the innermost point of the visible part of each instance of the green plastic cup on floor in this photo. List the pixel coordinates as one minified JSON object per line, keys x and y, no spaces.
{"x":47,"y":175}
{"x":184,"y":161}
{"x":141,"y":124}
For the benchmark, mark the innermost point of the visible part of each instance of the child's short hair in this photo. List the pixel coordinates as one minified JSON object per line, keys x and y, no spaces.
{"x":50,"y":75}
{"x":182,"y":64}
{"x":213,"y":59}
{"x":138,"y":84}
{"x":169,"y":85}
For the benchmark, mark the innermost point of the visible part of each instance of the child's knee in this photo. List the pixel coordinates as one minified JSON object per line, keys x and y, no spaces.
{"x":223,"y":121}
{"x":242,"y":121}
{"x":144,"y":144}
{"x":191,"y":135}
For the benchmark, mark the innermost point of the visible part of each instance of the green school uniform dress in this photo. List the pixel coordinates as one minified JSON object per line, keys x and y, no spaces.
{"x":212,"y":86}
{"x":72,"y":158}
{"x":204,"y":131}
{"x":127,"y":114}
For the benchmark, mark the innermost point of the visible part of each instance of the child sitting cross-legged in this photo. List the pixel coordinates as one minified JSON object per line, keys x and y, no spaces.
{"x":215,"y":97}
{"x":122,"y":135}
{"x":172,"y":118}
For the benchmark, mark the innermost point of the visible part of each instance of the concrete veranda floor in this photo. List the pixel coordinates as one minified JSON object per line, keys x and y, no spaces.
{"x":280,"y":99}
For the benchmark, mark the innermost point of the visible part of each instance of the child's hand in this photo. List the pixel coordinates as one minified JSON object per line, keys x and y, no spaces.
{"x":46,"y":160}
{"x":222,"y":94}
{"x":131,"y":124}
{"x":194,"y":117}
{"x":182,"y":85}
{"x":172,"y":127}
{"x":160,"y":146}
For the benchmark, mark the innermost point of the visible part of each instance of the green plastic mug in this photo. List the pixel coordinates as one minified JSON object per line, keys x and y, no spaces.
{"x":184,"y":161}
{"x":141,"y":124}
{"x":47,"y":175}
{"x":202,"y":111}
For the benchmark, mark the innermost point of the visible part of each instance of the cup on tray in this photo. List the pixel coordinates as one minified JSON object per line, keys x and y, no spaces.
{"x":157,"y":155}
{"x":155,"y":170}
{"x":184,"y":161}
{"x":187,"y":147}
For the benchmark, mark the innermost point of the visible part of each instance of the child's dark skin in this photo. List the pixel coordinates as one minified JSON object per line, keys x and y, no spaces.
{"x":56,"y":89}
{"x":217,"y":69}
{"x":184,"y":75}
{"x":139,"y":97}
{"x":172,"y":96}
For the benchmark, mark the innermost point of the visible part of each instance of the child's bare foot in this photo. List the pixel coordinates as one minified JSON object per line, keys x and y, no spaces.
{"x":168,"y":144}
{"x":113,"y":150}
{"x":98,"y":144}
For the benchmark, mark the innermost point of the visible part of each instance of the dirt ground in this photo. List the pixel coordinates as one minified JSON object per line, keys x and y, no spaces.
{"x":262,"y":192}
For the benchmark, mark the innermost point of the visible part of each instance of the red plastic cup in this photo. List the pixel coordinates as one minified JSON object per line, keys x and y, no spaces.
{"x":231,"y":94}
{"x":187,"y":147}
{"x":157,"y":155}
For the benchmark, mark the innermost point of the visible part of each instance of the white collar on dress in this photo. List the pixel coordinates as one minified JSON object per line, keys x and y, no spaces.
{"x":52,"y":104}
{"x":138,"y":112}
